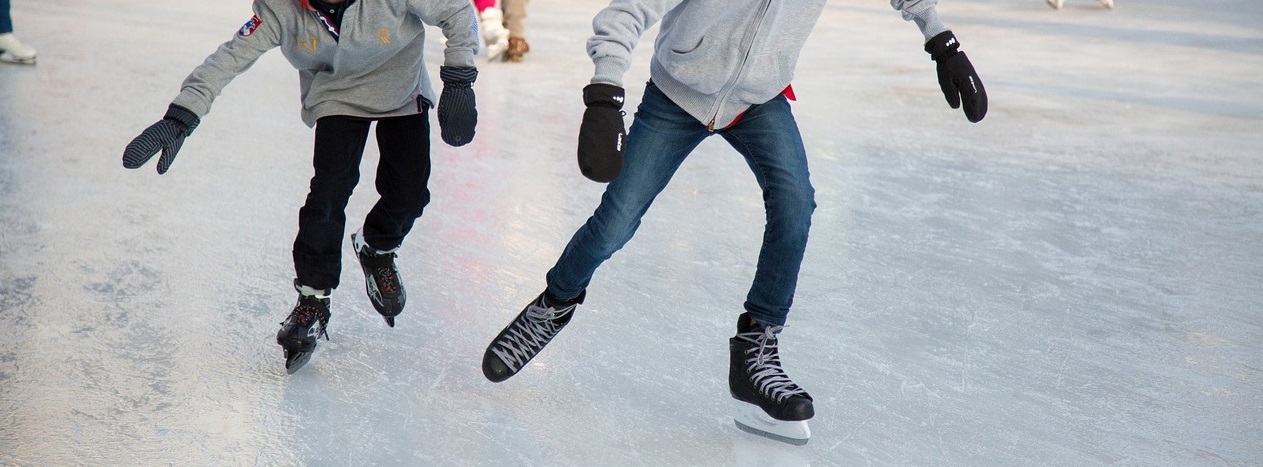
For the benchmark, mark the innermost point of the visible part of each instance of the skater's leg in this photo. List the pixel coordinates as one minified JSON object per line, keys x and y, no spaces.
{"x":661,"y":136}
{"x":515,"y":17}
{"x":769,"y":403}
{"x":494,"y":36}
{"x":402,"y":180}
{"x":514,"y":22}
{"x":402,"y":177}
{"x":339,"y":147}
{"x":768,"y":137}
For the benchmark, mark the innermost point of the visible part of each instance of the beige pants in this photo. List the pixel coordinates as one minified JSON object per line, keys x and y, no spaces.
{"x":514,"y":13}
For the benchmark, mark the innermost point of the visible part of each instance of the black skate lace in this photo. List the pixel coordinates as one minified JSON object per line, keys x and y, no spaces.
{"x":386,"y":280}
{"x":530,"y":334}
{"x":765,"y":366}
{"x":304,"y":314}
{"x":382,"y":265}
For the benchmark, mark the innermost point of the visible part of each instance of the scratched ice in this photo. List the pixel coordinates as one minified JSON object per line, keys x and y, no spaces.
{"x":1074,"y":281}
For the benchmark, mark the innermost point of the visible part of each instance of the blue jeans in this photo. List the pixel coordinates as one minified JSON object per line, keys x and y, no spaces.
{"x":661,"y":136}
{"x":6,"y":22}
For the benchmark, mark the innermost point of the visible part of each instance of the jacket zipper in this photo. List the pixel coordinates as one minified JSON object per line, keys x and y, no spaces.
{"x":727,"y":89}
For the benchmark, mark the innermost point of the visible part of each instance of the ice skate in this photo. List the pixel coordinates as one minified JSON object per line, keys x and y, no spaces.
{"x":381,"y":278}
{"x":303,"y":328}
{"x":517,"y":48}
{"x":495,"y":37}
{"x":14,"y":51}
{"x":1055,"y":4}
{"x":522,"y":339}
{"x":767,"y":402}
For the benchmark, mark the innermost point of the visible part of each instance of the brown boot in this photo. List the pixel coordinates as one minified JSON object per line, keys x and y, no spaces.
{"x":517,"y":48}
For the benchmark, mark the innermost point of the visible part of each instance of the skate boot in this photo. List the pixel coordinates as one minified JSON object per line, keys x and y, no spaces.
{"x":767,"y":403}
{"x":517,"y":48}
{"x":13,"y":51}
{"x":494,"y":36}
{"x":1055,"y":4}
{"x":304,"y":326}
{"x":522,"y":339}
{"x":381,"y":278}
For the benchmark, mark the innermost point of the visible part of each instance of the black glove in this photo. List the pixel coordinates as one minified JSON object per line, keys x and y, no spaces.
{"x":457,"y":114}
{"x":167,"y":135}
{"x":602,"y":135}
{"x":956,"y":76}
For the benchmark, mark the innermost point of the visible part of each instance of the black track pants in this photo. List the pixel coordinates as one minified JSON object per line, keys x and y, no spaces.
{"x":402,"y":177}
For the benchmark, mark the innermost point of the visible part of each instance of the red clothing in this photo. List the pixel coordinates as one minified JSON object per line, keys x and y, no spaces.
{"x":788,"y":93}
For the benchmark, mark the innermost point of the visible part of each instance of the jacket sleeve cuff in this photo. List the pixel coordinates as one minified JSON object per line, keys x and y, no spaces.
{"x":928,"y":21}
{"x":186,"y":99}
{"x":609,"y":70}
{"x":458,"y":57}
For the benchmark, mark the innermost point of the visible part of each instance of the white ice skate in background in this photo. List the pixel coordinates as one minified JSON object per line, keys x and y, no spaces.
{"x":495,"y":38}
{"x":14,"y":51}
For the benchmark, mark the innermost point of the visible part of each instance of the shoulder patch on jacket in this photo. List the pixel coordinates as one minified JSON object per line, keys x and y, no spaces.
{"x":248,"y":28}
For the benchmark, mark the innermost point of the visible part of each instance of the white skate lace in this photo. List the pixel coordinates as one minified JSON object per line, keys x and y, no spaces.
{"x":530,"y":334}
{"x":765,"y":366}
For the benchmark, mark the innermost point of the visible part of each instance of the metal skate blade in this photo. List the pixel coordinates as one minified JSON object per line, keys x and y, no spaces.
{"x":7,"y":58}
{"x":752,"y":419}
{"x":390,"y":321}
{"x":295,"y":360}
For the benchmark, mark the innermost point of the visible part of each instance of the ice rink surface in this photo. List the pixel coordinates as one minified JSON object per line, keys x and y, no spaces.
{"x":1074,"y":281}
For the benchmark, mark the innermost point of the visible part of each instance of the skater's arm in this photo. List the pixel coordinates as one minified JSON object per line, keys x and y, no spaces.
{"x":923,"y":14}
{"x":959,"y":82}
{"x":615,"y":32}
{"x":260,"y":34}
{"x":459,"y":23}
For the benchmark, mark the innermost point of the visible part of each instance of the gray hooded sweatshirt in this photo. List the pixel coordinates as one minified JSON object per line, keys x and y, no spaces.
{"x":372,"y":67}
{"x":716,"y":58}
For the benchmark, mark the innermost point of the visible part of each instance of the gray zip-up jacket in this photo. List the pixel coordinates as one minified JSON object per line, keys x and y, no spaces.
{"x":373,"y":66}
{"x":716,"y":58}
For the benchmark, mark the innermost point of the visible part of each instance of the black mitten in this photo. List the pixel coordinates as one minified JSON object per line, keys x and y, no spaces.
{"x":457,"y":113}
{"x":602,"y":135}
{"x":167,"y":136}
{"x":956,"y":76}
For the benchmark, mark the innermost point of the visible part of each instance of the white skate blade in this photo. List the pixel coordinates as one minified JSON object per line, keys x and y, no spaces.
{"x":752,"y":419}
{"x":10,"y":58}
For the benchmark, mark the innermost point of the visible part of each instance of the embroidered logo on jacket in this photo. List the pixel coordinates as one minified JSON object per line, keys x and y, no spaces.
{"x":309,"y":43}
{"x":248,"y":28}
{"x":384,"y":35}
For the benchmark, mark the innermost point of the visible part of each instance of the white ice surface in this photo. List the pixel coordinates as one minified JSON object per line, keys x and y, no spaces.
{"x":1074,"y":281}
